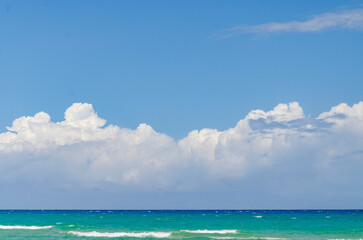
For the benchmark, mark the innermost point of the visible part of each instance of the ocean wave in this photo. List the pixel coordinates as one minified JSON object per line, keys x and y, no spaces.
{"x":24,"y":227}
{"x":246,"y":238}
{"x":121,"y":234}
{"x":210,"y":231}
{"x":229,"y":238}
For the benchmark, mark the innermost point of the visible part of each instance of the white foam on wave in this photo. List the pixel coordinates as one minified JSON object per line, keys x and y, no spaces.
{"x":231,"y":238}
{"x":245,"y":238}
{"x":226,"y":238}
{"x":272,"y":238}
{"x":258,"y":216}
{"x":121,"y":234}
{"x":346,"y":239}
{"x":24,"y":227}
{"x":205,"y":231}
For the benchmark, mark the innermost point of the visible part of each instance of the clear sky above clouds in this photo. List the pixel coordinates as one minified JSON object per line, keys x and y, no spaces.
{"x":180,"y":84}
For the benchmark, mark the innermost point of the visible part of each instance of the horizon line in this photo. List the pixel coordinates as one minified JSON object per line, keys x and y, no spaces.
{"x":247,"y":209}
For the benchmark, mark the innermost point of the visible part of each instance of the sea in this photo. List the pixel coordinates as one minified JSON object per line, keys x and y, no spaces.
{"x":181,"y":224}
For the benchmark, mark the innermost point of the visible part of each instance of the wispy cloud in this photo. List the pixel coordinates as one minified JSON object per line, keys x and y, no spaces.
{"x":350,"y":19}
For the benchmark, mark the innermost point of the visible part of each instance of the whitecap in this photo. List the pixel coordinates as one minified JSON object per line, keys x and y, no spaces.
{"x":258,"y":216}
{"x":24,"y":227}
{"x":346,"y":239}
{"x":245,"y":238}
{"x":226,"y":238}
{"x":210,"y":231}
{"x":121,"y":234}
{"x":272,"y":238}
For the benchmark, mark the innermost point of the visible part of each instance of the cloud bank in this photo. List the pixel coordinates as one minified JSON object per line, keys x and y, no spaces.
{"x":281,"y":151}
{"x":352,"y":19}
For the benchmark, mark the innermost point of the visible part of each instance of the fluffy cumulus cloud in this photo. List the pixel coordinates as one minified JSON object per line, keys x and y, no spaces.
{"x":349,"y":19}
{"x":282,"y":151}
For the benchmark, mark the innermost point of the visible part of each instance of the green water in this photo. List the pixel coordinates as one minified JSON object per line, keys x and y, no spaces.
{"x":222,"y":224}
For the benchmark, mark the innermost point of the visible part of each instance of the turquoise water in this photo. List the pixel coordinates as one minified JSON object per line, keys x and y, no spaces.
{"x":211,"y":224}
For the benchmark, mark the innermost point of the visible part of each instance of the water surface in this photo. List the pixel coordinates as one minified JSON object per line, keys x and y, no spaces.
{"x":181,"y":224}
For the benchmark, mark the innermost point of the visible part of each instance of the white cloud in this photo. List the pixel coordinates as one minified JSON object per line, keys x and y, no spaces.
{"x":281,"y":112}
{"x":282,"y":146}
{"x":351,"y":19}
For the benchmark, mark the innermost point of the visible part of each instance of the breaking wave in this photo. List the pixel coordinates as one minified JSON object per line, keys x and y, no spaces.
{"x":210,"y":231}
{"x":24,"y":227}
{"x":246,"y":238}
{"x":121,"y":234}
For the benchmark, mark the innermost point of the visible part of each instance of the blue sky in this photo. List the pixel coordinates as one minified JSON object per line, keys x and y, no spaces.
{"x":179,"y":66}
{"x":159,"y":62}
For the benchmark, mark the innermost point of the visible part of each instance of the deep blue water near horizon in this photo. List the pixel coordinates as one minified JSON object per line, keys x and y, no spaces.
{"x":181,"y":224}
